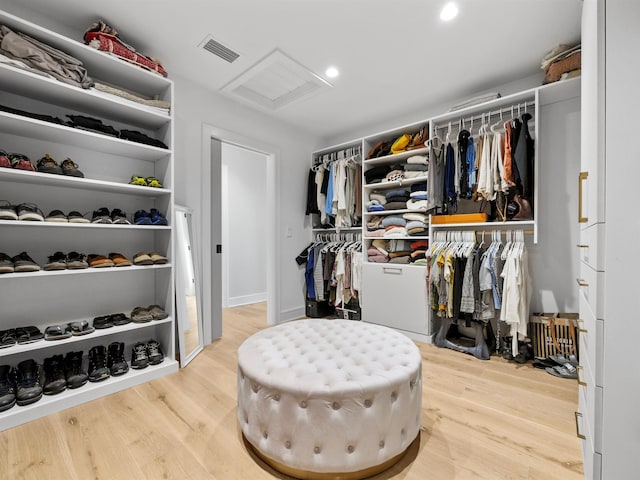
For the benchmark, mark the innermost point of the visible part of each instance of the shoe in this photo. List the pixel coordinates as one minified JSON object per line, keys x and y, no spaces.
{"x":141,"y":217}
{"x":99,"y":261}
{"x":98,"y":370}
{"x":138,"y":180}
{"x":48,"y":165}
{"x":6,"y":264}
{"x":4,"y":160}
{"x":24,"y":263}
{"x":56,"y":332}
{"x":56,"y":216}
{"x":157,"y":218}
{"x":158,"y":259}
{"x":567,"y":371}
{"x":8,"y":211}
{"x":141,"y":315}
{"x":57,"y":261}
{"x":73,"y":372}
{"x":139,"y":356}
{"x":70,"y":168}
{"x":119,"y":319}
{"x":77,"y":329}
{"x":28,"y":334}
{"x":153,"y":182}
{"x":116,"y":362}
{"x":76,"y":261}
{"x":7,"y":387}
{"x":119,"y":217}
{"x":119,"y":260}
{"x":157,"y":312}
{"x":101,"y":216}
{"x":102,"y":322}
{"x":154,"y":352}
{"x":142,"y":258}
{"x":28,"y":388}
{"x":29,"y":211}
{"x":54,"y":380}
{"x":77,"y":217}
{"x":21,"y":162}
{"x":8,"y":338}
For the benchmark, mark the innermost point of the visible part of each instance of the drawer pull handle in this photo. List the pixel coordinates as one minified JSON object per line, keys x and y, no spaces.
{"x":581,"y":282}
{"x":581,"y":382}
{"x":582,"y":246}
{"x":582,"y":177}
{"x":580,"y":325}
{"x":392,"y":271}
{"x":578,"y":434}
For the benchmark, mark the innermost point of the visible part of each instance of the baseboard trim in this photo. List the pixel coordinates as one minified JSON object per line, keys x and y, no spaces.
{"x":247,"y":299}
{"x":291,"y":314}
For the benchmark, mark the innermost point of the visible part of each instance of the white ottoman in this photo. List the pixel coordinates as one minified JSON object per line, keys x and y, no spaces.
{"x":329,"y":398}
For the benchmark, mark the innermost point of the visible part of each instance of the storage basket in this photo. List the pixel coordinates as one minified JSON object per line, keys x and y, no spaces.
{"x":553,"y":334}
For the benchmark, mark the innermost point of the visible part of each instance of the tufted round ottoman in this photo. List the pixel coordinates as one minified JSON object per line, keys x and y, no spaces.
{"x":329,"y":398}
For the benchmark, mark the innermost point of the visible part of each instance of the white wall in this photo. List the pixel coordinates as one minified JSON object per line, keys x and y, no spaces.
{"x":244,"y":223}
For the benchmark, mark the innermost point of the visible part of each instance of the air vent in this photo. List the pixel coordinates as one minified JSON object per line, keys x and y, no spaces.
{"x":218,"y":49}
{"x":275,"y":81}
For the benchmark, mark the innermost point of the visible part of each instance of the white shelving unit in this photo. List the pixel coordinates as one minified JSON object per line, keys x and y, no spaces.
{"x":59,"y":297}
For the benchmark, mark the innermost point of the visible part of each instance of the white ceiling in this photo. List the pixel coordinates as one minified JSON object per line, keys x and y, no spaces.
{"x":394,"y":56}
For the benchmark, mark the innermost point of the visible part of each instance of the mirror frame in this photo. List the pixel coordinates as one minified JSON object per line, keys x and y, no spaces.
{"x":181,"y":305}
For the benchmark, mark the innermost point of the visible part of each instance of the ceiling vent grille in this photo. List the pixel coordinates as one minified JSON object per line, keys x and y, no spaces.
{"x":275,"y":81}
{"x":219,"y":50}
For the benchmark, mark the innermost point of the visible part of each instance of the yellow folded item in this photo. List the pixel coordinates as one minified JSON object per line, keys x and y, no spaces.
{"x":400,"y":145}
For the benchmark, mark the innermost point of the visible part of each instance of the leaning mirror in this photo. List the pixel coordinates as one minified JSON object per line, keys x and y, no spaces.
{"x":188,"y":297}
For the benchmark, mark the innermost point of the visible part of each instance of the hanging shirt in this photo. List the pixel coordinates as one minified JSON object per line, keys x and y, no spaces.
{"x":450,"y":195}
{"x":463,"y":145}
{"x":471,"y":160}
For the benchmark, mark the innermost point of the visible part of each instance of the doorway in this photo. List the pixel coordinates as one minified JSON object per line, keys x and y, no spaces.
{"x":213,"y":246}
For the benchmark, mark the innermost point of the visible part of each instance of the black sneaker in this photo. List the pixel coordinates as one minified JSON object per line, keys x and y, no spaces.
{"x":70,"y":168}
{"x":73,"y":372}
{"x":154,"y":352}
{"x":48,"y":165}
{"x":116,"y":362}
{"x":8,"y":211}
{"x":102,"y":322}
{"x":6,"y":264}
{"x":57,"y":261}
{"x":56,"y":216}
{"x":119,"y":217}
{"x":76,"y":261}
{"x":139,"y":356}
{"x":28,"y":388}
{"x":101,"y":216}
{"x":54,"y":379}
{"x":30,"y":212}
{"x":77,"y":217}
{"x":7,"y":387}
{"x":98,"y":370}
{"x":24,"y":263}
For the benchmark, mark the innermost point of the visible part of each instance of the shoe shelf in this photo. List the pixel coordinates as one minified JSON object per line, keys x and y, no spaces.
{"x":36,"y":224}
{"x":99,"y":64}
{"x":392,"y":212}
{"x":82,"y":271}
{"x":32,"y":85}
{"x":49,"y":404}
{"x":33,"y":128}
{"x":395,"y":157}
{"x":98,"y":333}
{"x":395,"y":183}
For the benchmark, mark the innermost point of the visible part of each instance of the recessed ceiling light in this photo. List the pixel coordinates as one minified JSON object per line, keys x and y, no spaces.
{"x":332,"y":72}
{"x":448,"y":12}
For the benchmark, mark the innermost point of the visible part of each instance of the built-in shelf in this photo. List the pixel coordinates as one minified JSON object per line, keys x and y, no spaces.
{"x":395,"y":183}
{"x":394,"y":212}
{"x":406,"y":237}
{"x":83,"y":271}
{"x":512,"y":225}
{"x":396,"y":157}
{"x":110,"y":226}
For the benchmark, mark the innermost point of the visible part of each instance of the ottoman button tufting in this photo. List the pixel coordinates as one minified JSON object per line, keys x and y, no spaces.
{"x":335,"y":405}
{"x":303,"y":404}
{"x":350,"y":449}
{"x":381,"y":444}
{"x":287,"y":445}
{"x":316,"y":450}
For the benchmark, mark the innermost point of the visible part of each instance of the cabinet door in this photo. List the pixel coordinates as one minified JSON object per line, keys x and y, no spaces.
{"x":395,"y":296}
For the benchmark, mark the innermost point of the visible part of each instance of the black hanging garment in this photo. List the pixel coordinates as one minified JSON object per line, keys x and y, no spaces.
{"x":463,"y":144}
{"x":450,"y":196}
{"x":312,"y":197}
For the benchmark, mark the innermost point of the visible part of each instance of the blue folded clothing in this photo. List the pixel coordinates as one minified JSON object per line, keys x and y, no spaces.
{"x":418,"y":187}
{"x":375,"y":208}
{"x":397,"y":193}
{"x":393,"y":221}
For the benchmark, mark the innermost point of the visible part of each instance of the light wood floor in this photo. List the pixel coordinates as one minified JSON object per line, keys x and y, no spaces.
{"x":481,"y":420}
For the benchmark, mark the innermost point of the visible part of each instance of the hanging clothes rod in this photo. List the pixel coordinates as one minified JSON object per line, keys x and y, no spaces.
{"x":352,"y":153}
{"x":511,"y":110}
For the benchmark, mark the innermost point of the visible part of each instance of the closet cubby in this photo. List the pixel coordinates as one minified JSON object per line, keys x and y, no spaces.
{"x":47,"y":298}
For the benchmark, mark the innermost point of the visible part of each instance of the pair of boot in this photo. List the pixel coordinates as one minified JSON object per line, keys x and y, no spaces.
{"x":525,"y":350}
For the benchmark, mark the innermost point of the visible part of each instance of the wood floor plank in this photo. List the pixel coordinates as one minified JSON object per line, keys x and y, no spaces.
{"x":481,"y":420}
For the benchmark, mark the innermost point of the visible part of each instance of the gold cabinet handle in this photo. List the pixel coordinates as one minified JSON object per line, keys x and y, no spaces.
{"x":581,"y":282}
{"x":582,"y":177}
{"x":578,"y":434}
{"x":581,"y":325}
{"x":580,"y":370}
{"x":582,"y":246}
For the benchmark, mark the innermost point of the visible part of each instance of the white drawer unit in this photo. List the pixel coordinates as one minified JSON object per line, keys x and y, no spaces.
{"x":591,"y":286}
{"x":592,"y":245}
